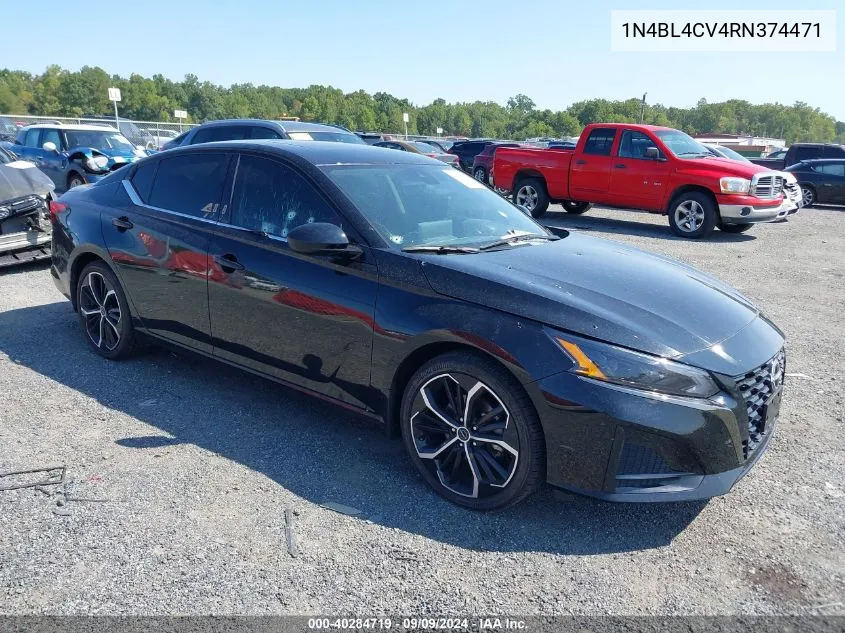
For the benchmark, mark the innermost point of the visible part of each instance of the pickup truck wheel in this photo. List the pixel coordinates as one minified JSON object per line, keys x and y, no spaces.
{"x":734,"y":228}
{"x":531,"y":194}
{"x":576,"y":208}
{"x":480,"y":174}
{"x":808,"y":196}
{"x":692,"y":215}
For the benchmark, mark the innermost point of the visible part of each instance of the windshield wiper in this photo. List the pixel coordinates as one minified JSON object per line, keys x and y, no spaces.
{"x":695,"y":154}
{"x":507,"y":241}
{"x":442,"y":249}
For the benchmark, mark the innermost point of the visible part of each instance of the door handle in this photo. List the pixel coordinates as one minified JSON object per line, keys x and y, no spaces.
{"x":580,"y":161}
{"x":620,"y":165}
{"x":229,"y":263}
{"x":122,"y":223}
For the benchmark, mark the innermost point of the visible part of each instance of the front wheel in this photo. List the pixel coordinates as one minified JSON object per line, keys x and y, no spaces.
{"x":735,"y":228}
{"x":531,"y":194}
{"x":104,"y":312}
{"x":693,"y":215}
{"x":472,"y":432}
{"x":575,"y":208}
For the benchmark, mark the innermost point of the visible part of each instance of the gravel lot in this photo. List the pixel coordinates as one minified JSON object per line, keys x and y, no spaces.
{"x":188,"y":468}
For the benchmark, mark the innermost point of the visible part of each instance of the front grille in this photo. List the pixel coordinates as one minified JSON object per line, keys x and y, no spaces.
{"x":769,"y":186}
{"x":757,"y":388}
{"x":22,"y":205}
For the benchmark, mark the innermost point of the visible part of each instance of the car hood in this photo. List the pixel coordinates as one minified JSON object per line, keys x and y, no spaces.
{"x":600,"y":289}
{"x":726,"y":166}
{"x":115,"y":154}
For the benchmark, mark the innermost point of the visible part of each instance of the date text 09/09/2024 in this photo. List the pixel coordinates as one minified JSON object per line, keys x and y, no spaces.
{"x":722,"y":29}
{"x":418,"y":624}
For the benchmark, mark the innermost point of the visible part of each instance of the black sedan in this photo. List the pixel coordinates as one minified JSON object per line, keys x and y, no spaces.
{"x":403,"y":289}
{"x":821,"y":180}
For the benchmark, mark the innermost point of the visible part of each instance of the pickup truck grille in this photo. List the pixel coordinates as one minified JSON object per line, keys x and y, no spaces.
{"x":767,"y":186}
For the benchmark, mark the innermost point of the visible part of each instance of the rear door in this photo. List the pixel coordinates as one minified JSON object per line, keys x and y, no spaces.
{"x":158,"y":236}
{"x":307,"y":319}
{"x":589,"y":175}
{"x":637,"y":181}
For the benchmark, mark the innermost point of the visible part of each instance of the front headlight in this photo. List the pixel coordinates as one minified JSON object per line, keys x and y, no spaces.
{"x":96,"y":163}
{"x":735,"y":185}
{"x":617,"y":365}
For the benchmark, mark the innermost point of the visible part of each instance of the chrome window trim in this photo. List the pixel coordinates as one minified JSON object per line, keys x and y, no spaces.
{"x":136,"y":200}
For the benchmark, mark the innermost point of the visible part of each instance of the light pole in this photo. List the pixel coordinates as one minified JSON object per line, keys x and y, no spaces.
{"x":642,"y":108}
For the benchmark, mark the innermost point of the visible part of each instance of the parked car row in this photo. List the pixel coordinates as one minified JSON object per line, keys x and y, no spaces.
{"x":387,"y":282}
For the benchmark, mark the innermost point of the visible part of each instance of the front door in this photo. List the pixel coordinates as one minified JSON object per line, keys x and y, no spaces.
{"x":307,"y":319}
{"x":831,"y":187}
{"x":158,"y":238}
{"x":589,"y":174}
{"x":636,"y":180}
{"x":53,"y":163}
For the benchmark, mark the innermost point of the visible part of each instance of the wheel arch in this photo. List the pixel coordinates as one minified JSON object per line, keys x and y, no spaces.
{"x":689,"y":189}
{"x":80,"y":261}
{"x":524,"y":174}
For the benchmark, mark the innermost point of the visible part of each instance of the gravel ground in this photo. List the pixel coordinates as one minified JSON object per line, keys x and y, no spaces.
{"x":188,"y":468}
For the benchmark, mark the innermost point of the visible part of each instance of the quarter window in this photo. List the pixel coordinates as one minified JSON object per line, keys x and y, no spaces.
{"x":600,"y":141}
{"x":273,"y":198}
{"x":142,"y":179}
{"x":190,"y":183}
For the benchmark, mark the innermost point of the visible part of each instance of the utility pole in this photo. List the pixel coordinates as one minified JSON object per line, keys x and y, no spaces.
{"x":642,"y":108}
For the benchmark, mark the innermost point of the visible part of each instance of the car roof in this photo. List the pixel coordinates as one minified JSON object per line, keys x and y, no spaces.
{"x":287,"y":126}
{"x":75,"y":127}
{"x":319,"y":152}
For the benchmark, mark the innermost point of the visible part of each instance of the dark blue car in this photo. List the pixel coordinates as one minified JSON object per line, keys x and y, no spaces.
{"x":74,"y":155}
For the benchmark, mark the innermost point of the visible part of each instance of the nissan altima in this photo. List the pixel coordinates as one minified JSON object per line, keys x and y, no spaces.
{"x":389,"y":283}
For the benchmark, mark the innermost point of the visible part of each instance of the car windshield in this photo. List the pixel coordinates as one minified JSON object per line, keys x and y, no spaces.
{"x":97,"y":140}
{"x":681,"y":144}
{"x":320,"y":135}
{"x":426,"y":148}
{"x":412,"y":205}
{"x":727,"y":152}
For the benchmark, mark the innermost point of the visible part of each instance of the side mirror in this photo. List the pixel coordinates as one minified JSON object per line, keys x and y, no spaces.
{"x":652,"y":153}
{"x":49,"y":146}
{"x":321,"y":238}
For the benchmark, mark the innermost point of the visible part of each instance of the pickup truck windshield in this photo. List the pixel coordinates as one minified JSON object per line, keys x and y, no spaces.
{"x":682,"y":145}
{"x":418,"y":204}
{"x":97,"y":140}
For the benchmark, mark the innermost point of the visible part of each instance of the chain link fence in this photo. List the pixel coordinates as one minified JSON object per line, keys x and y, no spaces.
{"x":147,"y":134}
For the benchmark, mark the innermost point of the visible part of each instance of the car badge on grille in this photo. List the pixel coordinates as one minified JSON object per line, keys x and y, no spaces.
{"x":776,"y":373}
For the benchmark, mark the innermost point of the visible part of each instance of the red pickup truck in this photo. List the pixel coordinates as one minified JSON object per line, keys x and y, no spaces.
{"x":657,"y":169}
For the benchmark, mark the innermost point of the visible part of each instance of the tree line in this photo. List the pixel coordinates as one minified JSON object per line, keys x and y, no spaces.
{"x":59,"y":92}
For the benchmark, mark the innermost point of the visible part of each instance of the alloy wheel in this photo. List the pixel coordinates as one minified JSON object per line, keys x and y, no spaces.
{"x":807,"y":196}
{"x":99,"y":306}
{"x":689,"y":216}
{"x":461,"y":432}
{"x":527,"y":197}
{"x":479,"y":175}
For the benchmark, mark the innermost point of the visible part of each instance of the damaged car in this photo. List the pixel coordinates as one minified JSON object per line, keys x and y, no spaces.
{"x":25,"y":229}
{"x":73,"y":155}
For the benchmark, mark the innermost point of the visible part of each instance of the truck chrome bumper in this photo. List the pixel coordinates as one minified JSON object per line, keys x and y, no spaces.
{"x":751,"y":213}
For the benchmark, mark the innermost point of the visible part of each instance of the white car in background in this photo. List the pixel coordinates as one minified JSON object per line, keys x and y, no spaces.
{"x":792,"y":198}
{"x":159,"y":137}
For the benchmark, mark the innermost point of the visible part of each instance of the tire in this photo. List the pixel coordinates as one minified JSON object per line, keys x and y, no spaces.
{"x":693,"y":215}
{"x":480,"y":174}
{"x":734,"y":228}
{"x":531,"y":194}
{"x":575,"y":208}
{"x":74,"y":180}
{"x":104,"y":313}
{"x":507,"y":466}
{"x":808,"y":194}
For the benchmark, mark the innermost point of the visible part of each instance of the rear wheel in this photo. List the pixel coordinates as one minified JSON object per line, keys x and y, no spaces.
{"x":576,"y":208}
{"x":693,"y":215}
{"x":735,"y":228}
{"x":480,"y":174}
{"x":531,"y":194}
{"x":104,"y":313}
{"x":808,"y":195}
{"x":472,"y":432}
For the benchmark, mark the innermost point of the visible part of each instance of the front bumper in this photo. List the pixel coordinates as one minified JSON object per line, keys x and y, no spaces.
{"x":748,"y":209}
{"x":23,"y":247}
{"x":620,"y":444}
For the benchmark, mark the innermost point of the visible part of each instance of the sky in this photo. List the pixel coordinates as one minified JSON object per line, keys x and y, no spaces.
{"x":555,"y":51}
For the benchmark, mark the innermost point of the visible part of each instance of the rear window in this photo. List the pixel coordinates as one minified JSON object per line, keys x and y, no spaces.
{"x":807,"y":153}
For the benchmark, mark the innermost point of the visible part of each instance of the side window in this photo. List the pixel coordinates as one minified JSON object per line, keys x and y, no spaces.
{"x":142,"y":179}
{"x":832,"y":169}
{"x":273,"y":198}
{"x":264,"y":132}
{"x":221,"y":133}
{"x":634,"y":144}
{"x":51,"y":136}
{"x":190,"y":183}
{"x":32,"y":138}
{"x":834,"y":152}
{"x":600,"y":141}
{"x":806,"y":153}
